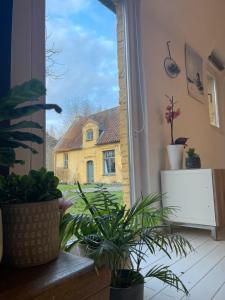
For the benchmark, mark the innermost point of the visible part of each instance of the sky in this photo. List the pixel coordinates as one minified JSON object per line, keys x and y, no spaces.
{"x":84,"y":34}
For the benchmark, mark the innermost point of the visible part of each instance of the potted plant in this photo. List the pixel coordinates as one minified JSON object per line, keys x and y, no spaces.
{"x":30,"y":211}
{"x":19,"y":103}
{"x":122,"y":238}
{"x":175,"y":149}
{"x":192,"y":160}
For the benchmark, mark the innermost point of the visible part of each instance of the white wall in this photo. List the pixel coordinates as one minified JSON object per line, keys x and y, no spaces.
{"x":201,"y":24}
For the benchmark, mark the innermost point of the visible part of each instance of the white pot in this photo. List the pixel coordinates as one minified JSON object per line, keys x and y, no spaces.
{"x":175,"y":154}
{"x":1,"y":238}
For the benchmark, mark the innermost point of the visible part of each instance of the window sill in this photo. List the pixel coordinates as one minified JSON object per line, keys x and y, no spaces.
{"x":111,"y":174}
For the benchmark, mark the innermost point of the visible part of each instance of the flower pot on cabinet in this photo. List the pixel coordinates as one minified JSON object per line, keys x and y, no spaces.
{"x":175,"y":155}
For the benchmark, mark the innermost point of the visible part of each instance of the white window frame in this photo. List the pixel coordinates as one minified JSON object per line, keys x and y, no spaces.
{"x":214,"y":99}
{"x":65,"y":161}
{"x":108,"y":158}
{"x":89,"y":131}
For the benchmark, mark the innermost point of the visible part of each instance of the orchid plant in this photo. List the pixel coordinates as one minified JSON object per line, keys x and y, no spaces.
{"x":170,"y":115}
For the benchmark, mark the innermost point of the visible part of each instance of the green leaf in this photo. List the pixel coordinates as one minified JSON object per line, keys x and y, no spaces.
{"x":25,"y":111}
{"x":167,"y":276}
{"x":21,"y":125}
{"x":7,"y":156}
{"x":28,"y":91}
{"x":25,"y":136}
{"x":15,"y":144}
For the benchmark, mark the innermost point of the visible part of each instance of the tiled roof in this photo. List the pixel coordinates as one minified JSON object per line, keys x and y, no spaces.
{"x":108,"y":122}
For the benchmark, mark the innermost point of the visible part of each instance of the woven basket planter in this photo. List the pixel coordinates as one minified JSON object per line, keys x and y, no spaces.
{"x":30,"y":233}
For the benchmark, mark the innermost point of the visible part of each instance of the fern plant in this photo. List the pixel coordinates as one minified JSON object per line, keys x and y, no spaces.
{"x":121,"y":237}
{"x":18,"y":104}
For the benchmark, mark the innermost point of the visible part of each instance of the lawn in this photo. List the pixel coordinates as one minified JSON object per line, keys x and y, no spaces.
{"x":78,"y":206}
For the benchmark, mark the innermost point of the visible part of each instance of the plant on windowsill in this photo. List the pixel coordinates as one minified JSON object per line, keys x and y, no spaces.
{"x":175,"y":149}
{"x":122,"y":239}
{"x":193,"y":160}
{"x":30,"y":208}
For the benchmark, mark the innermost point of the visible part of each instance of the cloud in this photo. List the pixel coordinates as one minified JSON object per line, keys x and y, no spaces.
{"x":88,"y":62}
{"x":66,"y":7}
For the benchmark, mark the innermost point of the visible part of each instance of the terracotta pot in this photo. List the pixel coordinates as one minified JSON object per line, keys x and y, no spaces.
{"x":30,"y":233}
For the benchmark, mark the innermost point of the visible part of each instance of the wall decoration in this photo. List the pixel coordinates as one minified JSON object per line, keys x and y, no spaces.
{"x":194,"y":73}
{"x":171,"y":67}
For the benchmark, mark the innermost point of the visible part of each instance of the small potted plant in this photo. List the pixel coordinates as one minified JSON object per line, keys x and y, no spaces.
{"x":193,"y":160}
{"x":27,"y":201}
{"x":175,"y":149}
{"x":122,"y":239}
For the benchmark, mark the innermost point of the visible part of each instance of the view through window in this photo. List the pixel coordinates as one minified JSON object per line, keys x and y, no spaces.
{"x":85,"y":143}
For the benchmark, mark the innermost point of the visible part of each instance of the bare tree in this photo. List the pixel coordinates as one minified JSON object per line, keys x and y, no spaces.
{"x":77,"y":108}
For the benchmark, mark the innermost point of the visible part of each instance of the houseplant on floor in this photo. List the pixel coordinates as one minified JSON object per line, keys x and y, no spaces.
{"x":122,"y":238}
{"x":175,"y":149}
{"x":20,"y":217}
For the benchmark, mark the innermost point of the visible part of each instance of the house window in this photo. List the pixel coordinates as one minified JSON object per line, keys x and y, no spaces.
{"x":109,"y":162}
{"x":89,"y":135}
{"x":213,"y":100}
{"x":65,"y":163}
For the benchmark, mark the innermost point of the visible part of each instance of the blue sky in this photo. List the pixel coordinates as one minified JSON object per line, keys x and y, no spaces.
{"x":84,"y":31}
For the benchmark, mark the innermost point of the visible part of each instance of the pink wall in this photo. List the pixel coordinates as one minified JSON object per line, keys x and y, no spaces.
{"x":202,"y":25}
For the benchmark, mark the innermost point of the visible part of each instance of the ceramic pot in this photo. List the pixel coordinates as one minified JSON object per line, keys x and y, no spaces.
{"x":134,"y":292}
{"x":30,"y":233}
{"x":193,"y":163}
{"x":175,"y":154}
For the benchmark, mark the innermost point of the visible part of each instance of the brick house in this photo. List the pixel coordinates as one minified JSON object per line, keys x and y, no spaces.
{"x":89,"y":152}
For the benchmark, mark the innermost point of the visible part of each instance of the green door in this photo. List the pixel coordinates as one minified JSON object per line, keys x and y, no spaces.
{"x":90,"y":171}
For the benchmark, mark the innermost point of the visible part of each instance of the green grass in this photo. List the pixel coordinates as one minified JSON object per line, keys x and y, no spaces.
{"x":79,"y":206}
{"x":68,"y":187}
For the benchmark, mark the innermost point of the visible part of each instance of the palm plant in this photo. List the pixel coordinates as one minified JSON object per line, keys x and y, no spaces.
{"x":122,"y":238}
{"x":20,"y":103}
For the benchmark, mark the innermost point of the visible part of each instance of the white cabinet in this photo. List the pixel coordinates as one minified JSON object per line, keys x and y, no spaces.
{"x":198,"y":196}
{"x":191,"y":192}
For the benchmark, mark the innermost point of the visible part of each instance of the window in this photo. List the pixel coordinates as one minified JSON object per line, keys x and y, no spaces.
{"x":109,"y":162}
{"x":213,"y":100}
{"x":65,"y":164}
{"x":89,"y":135}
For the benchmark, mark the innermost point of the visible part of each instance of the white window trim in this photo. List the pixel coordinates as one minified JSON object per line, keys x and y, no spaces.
{"x":136,"y":96}
{"x":216,"y":100}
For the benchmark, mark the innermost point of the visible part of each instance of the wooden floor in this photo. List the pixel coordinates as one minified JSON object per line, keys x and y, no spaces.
{"x":202,"y":271}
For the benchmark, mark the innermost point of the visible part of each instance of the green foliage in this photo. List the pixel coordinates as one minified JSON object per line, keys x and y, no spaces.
{"x":121,"y":237}
{"x":37,"y":186}
{"x":12,"y":137}
{"x":191,"y":153}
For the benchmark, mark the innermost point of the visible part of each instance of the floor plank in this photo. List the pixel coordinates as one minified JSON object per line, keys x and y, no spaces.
{"x":220,"y":294}
{"x":202,"y":271}
{"x":210,"y":284}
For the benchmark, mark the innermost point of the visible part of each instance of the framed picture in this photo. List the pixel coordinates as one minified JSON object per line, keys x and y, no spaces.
{"x":194,"y":74}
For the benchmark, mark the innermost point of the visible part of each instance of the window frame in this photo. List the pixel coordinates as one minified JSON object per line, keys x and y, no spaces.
{"x":109,"y":158}
{"x":215,"y":99}
{"x":65,"y":161}
{"x":92,"y":135}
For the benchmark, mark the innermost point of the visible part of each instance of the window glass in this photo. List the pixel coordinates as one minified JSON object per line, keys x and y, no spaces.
{"x":89,"y":135}
{"x":65,"y":160}
{"x":213,"y":100}
{"x":109,"y":162}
